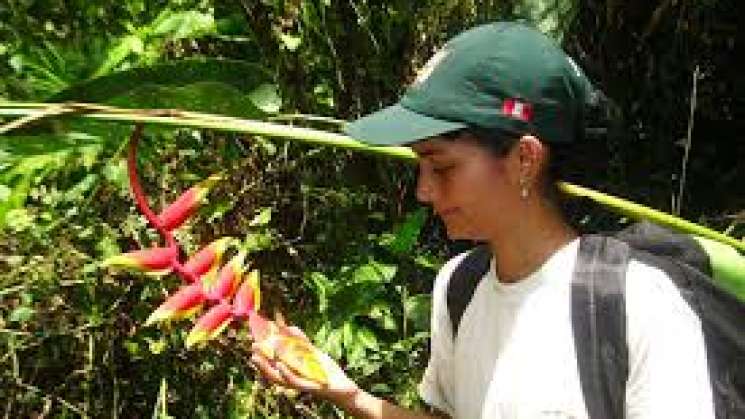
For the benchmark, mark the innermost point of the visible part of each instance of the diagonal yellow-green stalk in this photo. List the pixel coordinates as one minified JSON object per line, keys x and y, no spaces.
{"x":193,"y":120}
{"x":30,"y":112}
{"x":638,"y":211}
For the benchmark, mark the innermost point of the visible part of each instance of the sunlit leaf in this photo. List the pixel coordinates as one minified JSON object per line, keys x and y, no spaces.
{"x":79,"y":189}
{"x":417,"y":310}
{"x":5,"y":193}
{"x":266,"y":97}
{"x":407,"y":233}
{"x":182,"y":24}
{"x":291,"y":42}
{"x":257,"y":241}
{"x":195,"y":84}
{"x":18,"y":146}
{"x":262,"y":218}
{"x":374,"y":272}
{"x":322,"y":287}
{"x":116,"y":173}
{"x":330,"y":341}
{"x":126,"y":46}
{"x":381,"y":312}
{"x":21,"y":314}
{"x":367,"y":338}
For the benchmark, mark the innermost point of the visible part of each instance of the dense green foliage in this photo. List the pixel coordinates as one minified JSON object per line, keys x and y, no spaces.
{"x":343,"y":249}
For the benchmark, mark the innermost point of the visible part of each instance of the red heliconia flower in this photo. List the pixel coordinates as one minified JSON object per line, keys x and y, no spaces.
{"x":211,"y":324}
{"x":156,"y":260}
{"x":248,"y":297}
{"x":184,"y":206}
{"x":186,"y":301}
{"x":208,"y":258}
{"x":225,"y":284}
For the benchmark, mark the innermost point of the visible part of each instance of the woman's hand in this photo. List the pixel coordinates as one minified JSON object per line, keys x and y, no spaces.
{"x":338,"y":389}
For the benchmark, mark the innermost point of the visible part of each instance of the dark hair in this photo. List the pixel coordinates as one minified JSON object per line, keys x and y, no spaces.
{"x":586,"y":163}
{"x":498,"y":143}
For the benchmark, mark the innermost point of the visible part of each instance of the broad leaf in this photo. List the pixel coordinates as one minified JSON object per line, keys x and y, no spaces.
{"x":27,"y":160}
{"x":184,"y":24}
{"x":417,"y":310}
{"x":148,"y":40}
{"x":354,"y":300}
{"x":407,"y":233}
{"x":20,"y":146}
{"x":329,"y":340}
{"x":228,"y":87}
{"x":374,"y":272}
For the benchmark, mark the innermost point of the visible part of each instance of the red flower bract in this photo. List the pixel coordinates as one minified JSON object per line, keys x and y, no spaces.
{"x":207,"y":258}
{"x":248,"y":297}
{"x":174,"y":215}
{"x":227,"y":281}
{"x":156,"y":259}
{"x":185,"y":302}
{"x":210,"y":324}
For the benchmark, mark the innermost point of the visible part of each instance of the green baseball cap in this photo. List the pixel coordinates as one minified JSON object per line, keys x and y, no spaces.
{"x":503,"y":77}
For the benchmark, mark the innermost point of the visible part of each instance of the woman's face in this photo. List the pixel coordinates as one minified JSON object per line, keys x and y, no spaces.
{"x":476,"y":194}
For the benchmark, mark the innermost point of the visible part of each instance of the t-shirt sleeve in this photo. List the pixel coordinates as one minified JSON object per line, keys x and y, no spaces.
{"x":668,"y":370}
{"x":436,"y":387}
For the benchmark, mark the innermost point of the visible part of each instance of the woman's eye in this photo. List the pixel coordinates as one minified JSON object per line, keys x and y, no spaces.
{"x":442,"y":169}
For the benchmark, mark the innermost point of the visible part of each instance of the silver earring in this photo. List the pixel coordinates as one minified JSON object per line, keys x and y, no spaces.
{"x":523,"y":189}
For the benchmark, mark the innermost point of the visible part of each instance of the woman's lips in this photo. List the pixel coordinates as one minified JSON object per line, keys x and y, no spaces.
{"x":447,"y":212}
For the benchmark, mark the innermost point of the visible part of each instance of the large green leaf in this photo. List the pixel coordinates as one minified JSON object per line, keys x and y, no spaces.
{"x":147,"y":41}
{"x":407,"y":233}
{"x":118,"y":53}
{"x":228,"y":87}
{"x":353,"y":300}
{"x":21,"y":171}
{"x":15,"y":147}
{"x":374,"y":272}
{"x":182,"y":24}
{"x":552,"y":17}
{"x":417,"y":310}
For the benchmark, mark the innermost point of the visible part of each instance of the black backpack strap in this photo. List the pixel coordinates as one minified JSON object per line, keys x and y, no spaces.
{"x":463,"y":282}
{"x":666,"y":244}
{"x":599,"y":324}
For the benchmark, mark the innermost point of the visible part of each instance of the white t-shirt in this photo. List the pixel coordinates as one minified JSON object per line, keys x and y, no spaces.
{"x":514,"y":356}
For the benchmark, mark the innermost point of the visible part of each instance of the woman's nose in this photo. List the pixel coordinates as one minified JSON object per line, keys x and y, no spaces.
{"x":423,"y":189}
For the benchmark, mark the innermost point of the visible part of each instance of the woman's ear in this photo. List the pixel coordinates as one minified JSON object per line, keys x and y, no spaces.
{"x":531,"y":154}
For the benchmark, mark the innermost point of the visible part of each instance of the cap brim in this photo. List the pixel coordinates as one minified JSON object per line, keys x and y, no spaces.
{"x":396,"y":125}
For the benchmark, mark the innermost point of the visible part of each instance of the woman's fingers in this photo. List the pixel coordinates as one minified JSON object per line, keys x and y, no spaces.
{"x":338,"y":388}
{"x":295,"y":380}
{"x":279,"y":373}
{"x":295,"y":331}
{"x":267,"y":369}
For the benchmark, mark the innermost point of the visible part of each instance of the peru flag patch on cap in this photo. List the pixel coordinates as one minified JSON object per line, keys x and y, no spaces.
{"x":516,"y":108}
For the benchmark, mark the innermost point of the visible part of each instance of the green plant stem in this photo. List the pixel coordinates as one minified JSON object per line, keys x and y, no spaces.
{"x":220,"y":123}
{"x":317,"y":137}
{"x":639,"y":211}
{"x":307,"y":118}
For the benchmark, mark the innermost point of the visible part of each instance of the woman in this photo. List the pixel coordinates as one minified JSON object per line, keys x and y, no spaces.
{"x":483,"y":116}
